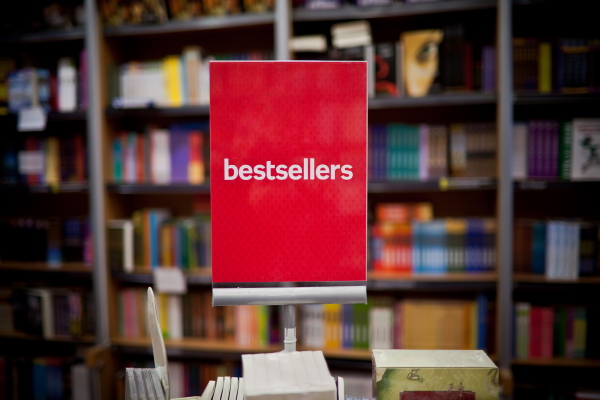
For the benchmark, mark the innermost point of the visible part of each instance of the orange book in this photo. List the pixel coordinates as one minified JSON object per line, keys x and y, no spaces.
{"x":229,"y":324}
{"x":166,"y":246}
{"x":210,"y":316}
{"x":146,"y":238}
{"x":404,"y":212}
{"x":141,"y":158}
{"x":32,"y":145}
{"x":196,"y":165}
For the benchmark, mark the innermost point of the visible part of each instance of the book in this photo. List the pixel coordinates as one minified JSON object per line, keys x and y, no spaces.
{"x":585,"y":149}
{"x":67,"y":85}
{"x":120,"y":245}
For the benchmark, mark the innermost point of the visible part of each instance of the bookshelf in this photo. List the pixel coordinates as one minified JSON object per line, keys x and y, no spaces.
{"x":109,"y":200}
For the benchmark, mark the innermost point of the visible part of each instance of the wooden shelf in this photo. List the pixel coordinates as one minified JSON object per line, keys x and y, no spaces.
{"x":393,"y":10}
{"x":53,"y":116}
{"x":443,"y":184}
{"x":434,"y":100}
{"x":558,"y":362}
{"x":40,"y":266}
{"x":195,"y":344}
{"x":63,"y":187}
{"x":37,"y":338}
{"x":45,"y":36}
{"x":534,"y":184}
{"x":555,"y":98}
{"x":348,"y":354}
{"x":484,"y":281}
{"x":201,"y":276}
{"x":534,"y":278}
{"x":198,"y":24}
{"x":148,"y":188}
{"x":153,"y":112}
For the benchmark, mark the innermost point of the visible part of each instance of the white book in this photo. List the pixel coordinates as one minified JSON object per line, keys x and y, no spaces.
{"x":226,"y":388}
{"x":218,"y":388}
{"x":551,"y":250}
{"x":520,"y":150}
{"x":352,"y":41}
{"x":346,"y":28}
{"x":240,"y":393}
{"x":45,"y":297}
{"x":160,"y":156}
{"x":369,"y":53}
{"x":573,"y":270}
{"x":312,"y":43}
{"x":289,"y":381}
{"x":340,"y":388}
{"x":300,"y":370}
{"x":585,"y":149}
{"x":175,"y":316}
{"x":563,"y":242}
{"x":234,"y":389}
{"x":176,"y":379}
{"x":208,"y":391}
{"x":81,"y":382}
{"x":205,"y":81}
{"x":67,"y":85}
{"x":123,"y":229}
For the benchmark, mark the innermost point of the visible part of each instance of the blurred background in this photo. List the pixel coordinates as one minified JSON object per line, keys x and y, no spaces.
{"x":484,"y":192}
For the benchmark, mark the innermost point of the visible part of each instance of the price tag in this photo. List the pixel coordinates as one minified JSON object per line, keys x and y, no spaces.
{"x":31,"y":162}
{"x":32,"y":119}
{"x":169,"y":280}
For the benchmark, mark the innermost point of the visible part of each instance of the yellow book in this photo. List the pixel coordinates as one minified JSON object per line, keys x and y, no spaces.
{"x":165,"y":245}
{"x":168,"y":83}
{"x":545,"y":68}
{"x":52,"y":161}
{"x":162,"y":314}
{"x":173,"y":77}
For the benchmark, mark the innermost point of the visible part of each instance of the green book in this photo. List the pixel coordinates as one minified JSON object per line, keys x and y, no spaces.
{"x":564,"y":152}
{"x":560,"y":331}
{"x":579,"y":332}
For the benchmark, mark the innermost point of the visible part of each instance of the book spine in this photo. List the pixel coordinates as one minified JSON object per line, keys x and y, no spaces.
{"x":566,"y":137}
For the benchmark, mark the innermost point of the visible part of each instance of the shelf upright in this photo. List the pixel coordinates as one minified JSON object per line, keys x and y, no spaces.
{"x":283,"y":28}
{"x":96,"y":175}
{"x":505,"y":192}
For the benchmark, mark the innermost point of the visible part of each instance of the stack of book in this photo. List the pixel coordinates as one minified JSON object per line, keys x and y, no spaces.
{"x":420,"y":152}
{"x":188,"y":379}
{"x":193,"y":316}
{"x":461,"y":66}
{"x":44,"y":378}
{"x":156,"y":12}
{"x":162,"y":156}
{"x":406,"y":239}
{"x":550,"y":149}
{"x":38,"y":160}
{"x":546,"y":332}
{"x":557,"y":249}
{"x":62,"y":90}
{"x":356,"y":384}
{"x":51,"y":313}
{"x":175,"y":81}
{"x":406,"y":324}
{"x":570,"y":66}
{"x":49,"y":240}
{"x":152,"y":238}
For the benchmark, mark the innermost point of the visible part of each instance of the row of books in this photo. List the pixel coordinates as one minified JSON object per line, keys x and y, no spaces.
{"x":552,"y":149}
{"x":43,"y":160}
{"x":566,"y":65}
{"x":49,"y":240}
{"x":387,"y":324}
{"x":398,"y":69}
{"x":356,"y":384}
{"x":62,"y":90}
{"x":192,"y":315}
{"x":175,"y":81}
{"x":188,"y":379}
{"x":51,"y":313}
{"x":159,"y":11}
{"x":557,"y":249}
{"x":163,"y":156}
{"x":423,"y":152}
{"x":51,"y":378}
{"x":546,"y":332}
{"x":153,"y":238}
{"x":406,"y":239}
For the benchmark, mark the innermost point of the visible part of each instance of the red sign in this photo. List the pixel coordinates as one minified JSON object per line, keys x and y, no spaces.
{"x":288,"y":145}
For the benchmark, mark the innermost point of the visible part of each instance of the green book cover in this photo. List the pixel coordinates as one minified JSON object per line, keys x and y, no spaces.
{"x":560,"y":331}
{"x":416,"y":138}
{"x":579,"y":332}
{"x":564,"y":158}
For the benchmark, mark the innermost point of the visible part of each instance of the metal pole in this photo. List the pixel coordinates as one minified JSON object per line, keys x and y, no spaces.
{"x":289,"y":330}
{"x":505,"y":190}
{"x":282,"y":29}
{"x":95,"y":178}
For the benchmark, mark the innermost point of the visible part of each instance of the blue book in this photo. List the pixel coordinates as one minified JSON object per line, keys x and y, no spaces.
{"x":482,"y":305}
{"x":471,"y":246}
{"x":40,"y":379}
{"x":538,"y":253}
{"x":416,"y":248}
{"x":347,"y":326}
{"x":439,"y":264}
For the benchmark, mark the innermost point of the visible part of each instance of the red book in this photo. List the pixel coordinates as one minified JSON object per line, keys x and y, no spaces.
{"x":32,"y":144}
{"x":196,"y":166}
{"x":79,"y":145}
{"x":141,"y":158}
{"x":547,"y":330}
{"x":535,"y":332}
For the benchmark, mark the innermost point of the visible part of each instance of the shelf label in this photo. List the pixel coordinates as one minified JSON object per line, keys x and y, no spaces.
{"x":31,"y":119}
{"x":288,"y":172}
{"x":169,"y":280}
